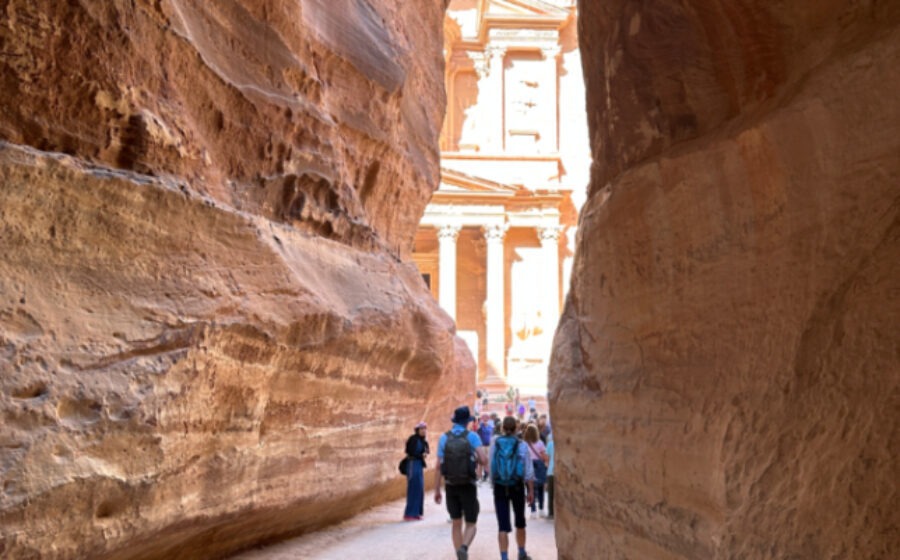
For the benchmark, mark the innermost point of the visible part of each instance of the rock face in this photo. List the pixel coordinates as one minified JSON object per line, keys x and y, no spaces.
{"x":726,"y":376}
{"x":209,"y":334}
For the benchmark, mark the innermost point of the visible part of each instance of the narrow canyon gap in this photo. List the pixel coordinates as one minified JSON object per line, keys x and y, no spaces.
{"x":210,"y":333}
{"x":206,"y":210}
{"x":724,"y":382}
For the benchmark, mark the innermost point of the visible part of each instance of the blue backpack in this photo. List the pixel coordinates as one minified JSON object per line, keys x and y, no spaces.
{"x":507,"y":468}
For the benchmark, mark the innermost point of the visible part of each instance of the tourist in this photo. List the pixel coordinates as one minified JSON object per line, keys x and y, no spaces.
{"x":416,"y":451}
{"x":459,"y":451}
{"x":539,"y":459}
{"x":511,"y":472}
{"x":485,"y":431}
{"x":544,"y":427}
{"x":532,"y":405}
{"x":551,"y":452}
{"x":475,"y":426}
{"x":521,"y":412}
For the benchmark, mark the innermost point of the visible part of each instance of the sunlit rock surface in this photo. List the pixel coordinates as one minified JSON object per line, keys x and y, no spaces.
{"x":209,"y":335}
{"x":725,"y":376}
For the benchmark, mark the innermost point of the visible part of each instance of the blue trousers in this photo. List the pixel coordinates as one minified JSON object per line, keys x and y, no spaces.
{"x":415,"y":489}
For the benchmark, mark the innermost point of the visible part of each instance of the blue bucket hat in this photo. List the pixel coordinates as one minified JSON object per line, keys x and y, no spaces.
{"x":462,"y":416}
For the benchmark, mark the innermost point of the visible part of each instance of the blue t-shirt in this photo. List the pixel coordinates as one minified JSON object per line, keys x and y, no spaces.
{"x":485,"y":431}
{"x":457,"y":429}
{"x":551,"y":451}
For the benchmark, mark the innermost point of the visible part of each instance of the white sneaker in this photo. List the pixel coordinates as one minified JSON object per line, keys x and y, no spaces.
{"x":533,"y":515}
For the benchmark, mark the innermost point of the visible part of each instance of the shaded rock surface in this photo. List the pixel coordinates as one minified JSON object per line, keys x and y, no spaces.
{"x":321,"y":114}
{"x":726,"y":375}
{"x":209,"y":335}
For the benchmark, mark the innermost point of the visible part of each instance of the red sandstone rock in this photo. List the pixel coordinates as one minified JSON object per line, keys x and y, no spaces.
{"x":322,"y":114}
{"x":208,"y":337}
{"x":725,"y":376}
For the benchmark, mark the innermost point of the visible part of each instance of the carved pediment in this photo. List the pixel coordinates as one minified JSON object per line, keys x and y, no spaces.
{"x":453,"y":181}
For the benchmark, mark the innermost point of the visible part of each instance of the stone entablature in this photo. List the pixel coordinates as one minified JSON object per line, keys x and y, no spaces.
{"x":538,"y":171}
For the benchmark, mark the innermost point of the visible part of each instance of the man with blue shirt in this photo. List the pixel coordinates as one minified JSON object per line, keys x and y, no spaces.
{"x":459,"y":453}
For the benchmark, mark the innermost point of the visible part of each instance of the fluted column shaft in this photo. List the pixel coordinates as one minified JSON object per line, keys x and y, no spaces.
{"x":495,"y":343}
{"x":550,"y":281}
{"x":447,"y":236}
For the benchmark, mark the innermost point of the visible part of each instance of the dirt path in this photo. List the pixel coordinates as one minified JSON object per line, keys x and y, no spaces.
{"x":379,"y":534}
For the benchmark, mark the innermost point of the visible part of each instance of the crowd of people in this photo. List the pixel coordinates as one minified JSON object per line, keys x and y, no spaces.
{"x":515,"y":455}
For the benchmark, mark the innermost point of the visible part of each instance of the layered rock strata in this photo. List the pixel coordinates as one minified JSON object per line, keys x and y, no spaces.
{"x":209,"y":335}
{"x":726,"y":375}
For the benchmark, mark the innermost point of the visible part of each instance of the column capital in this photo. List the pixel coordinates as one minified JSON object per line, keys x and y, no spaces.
{"x":494,"y":51}
{"x":481,"y":63}
{"x":448,"y":232}
{"x":549,"y":233}
{"x":551,"y":51}
{"x":495,"y":233}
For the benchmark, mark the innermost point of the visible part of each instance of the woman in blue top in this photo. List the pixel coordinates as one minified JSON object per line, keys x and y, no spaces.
{"x":416,"y":451}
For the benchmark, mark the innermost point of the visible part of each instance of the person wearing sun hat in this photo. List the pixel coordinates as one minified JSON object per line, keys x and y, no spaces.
{"x":416,"y":451}
{"x":459,"y":451}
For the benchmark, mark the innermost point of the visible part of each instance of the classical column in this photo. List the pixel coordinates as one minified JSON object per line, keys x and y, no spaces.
{"x":474,"y":125}
{"x":495,"y":334}
{"x":493,"y":108}
{"x":550,"y":281}
{"x":447,"y":269}
{"x":551,"y":101}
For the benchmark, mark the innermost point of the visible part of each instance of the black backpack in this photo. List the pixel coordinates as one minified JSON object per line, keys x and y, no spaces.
{"x":459,"y":459}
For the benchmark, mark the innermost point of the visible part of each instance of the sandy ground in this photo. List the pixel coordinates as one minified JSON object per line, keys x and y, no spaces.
{"x":380,"y":534}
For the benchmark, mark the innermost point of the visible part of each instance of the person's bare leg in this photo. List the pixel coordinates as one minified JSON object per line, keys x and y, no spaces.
{"x":520,"y":537}
{"x":470,"y":534}
{"x":457,"y":534}
{"x":503,"y":539}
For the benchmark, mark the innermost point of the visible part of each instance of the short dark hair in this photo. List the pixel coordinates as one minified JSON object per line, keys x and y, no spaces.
{"x":509,"y":425}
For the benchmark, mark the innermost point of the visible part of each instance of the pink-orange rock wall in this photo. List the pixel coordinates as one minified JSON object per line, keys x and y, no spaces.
{"x":726,"y":376}
{"x":209,"y":336}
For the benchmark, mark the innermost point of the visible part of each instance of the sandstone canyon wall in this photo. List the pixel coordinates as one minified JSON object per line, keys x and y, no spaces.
{"x":726,"y":376}
{"x":209,"y":333}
